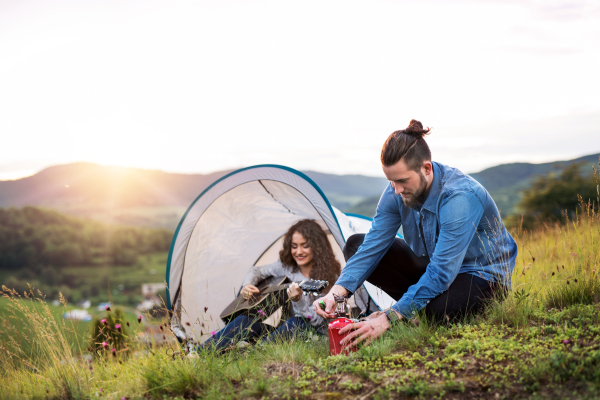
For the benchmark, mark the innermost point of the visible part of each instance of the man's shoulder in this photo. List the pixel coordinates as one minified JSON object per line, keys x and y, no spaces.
{"x":454,"y":180}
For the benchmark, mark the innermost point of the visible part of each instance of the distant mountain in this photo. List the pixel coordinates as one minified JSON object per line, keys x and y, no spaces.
{"x":143,"y":197}
{"x":159,"y":199}
{"x":504,"y":182}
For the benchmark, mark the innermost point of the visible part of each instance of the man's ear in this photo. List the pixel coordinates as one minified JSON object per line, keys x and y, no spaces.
{"x":428,"y":167}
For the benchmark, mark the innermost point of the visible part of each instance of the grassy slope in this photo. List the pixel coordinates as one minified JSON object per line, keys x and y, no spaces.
{"x":542,"y":342}
{"x":76,"y":332}
{"x":150,"y":268}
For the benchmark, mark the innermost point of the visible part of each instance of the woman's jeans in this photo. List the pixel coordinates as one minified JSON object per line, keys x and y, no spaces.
{"x":251,"y":328}
{"x":401,"y":268}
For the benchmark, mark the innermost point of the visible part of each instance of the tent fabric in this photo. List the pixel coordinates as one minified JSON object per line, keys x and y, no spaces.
{"x":236,"y":223}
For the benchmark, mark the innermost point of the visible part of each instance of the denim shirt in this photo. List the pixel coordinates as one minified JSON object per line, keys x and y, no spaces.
{"x":463,"y":233}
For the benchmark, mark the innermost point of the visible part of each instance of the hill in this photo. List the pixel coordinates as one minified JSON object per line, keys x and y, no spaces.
{"x":504,"y":182}
{"x":143,"y":197}
{"x":159,"y":199}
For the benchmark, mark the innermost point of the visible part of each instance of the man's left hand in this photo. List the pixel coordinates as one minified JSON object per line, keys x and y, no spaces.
{"x":366,"y":330}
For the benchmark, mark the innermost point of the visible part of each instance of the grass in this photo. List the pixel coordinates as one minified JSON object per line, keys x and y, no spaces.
{"x":93,"y":283}
{"x":543,"y":341}
{"x":125,"y":282}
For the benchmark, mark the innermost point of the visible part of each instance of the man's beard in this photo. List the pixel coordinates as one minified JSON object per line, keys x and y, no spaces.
{"x":417,"y":199}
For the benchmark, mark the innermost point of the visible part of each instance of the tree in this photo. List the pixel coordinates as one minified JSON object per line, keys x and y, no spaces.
{"x":549,"y":197}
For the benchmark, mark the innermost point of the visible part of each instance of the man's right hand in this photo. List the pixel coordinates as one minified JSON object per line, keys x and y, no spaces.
{"x":249,"y":290}
{"x":329,"y":301}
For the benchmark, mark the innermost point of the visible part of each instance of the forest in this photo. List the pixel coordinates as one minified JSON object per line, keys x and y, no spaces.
{"x":55,"y":252}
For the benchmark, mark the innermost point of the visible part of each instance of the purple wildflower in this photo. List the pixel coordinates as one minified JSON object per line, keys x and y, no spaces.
{"x":118,"y":327}
{"x":213,"y":333}
{"x":104,"y":344}
{"x":262,"y":313}
{"x":139,"y":319}
{"x":103,"y":321}
{"x":114,"y":351}
{"x":107,"y":308}
{"x":308,"y":317}
{"x":566,"y":341}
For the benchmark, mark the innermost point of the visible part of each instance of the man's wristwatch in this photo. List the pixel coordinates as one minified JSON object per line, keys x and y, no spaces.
{"x":392,"y":317}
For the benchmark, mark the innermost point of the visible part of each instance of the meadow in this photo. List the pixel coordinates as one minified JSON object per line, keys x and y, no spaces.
{"x":542,"y":341}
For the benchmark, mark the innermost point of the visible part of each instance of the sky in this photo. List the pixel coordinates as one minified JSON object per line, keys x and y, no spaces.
{"x":201,"y":86}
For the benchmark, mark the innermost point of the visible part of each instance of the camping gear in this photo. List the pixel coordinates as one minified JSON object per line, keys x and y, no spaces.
{"x":334,"y":327}
{"x":235,"y":223}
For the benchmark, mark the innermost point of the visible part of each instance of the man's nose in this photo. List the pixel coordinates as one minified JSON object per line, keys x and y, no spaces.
{"x":398,"y":189}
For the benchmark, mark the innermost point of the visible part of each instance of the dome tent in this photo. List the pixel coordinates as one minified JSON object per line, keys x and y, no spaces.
{"x":237,"y":222}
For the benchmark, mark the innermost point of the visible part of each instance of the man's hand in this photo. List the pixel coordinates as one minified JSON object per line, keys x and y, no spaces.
{"x":249,"y":290}
{"x":294,"y":292}
{"x":367,"y":330}
{"x":329,"y":301}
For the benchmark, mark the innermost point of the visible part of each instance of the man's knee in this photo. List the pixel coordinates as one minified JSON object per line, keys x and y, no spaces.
{"x":352,"y":245}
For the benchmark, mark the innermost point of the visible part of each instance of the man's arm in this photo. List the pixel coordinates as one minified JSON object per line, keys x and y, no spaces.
{"x":459,"y":215}
{"x":385,"y":225}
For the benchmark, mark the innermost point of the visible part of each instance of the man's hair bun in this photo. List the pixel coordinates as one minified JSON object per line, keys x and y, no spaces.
{"x":409,"y":144}
{"x":415,"y":129}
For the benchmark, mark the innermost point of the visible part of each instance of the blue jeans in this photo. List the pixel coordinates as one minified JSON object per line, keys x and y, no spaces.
{"x":249,"y":329}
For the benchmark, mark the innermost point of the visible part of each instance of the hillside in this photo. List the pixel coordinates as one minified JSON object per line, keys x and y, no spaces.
{"x":159,"y":199}
{"x":504,"y":182}
{"x":142,"y":197}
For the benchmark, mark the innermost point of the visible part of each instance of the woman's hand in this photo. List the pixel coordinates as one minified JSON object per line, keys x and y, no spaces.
{"x":366,"y":330}
{"x":249,"y":290}
{"x":294,"y":292}
{"x":329,"y":301}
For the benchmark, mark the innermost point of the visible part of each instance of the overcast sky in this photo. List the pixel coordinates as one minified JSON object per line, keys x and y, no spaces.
{"x":199,"y":86}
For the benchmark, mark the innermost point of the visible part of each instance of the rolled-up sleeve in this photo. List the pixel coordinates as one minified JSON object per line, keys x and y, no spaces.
{"x":385,"y":225}
{"x":459,"y":215}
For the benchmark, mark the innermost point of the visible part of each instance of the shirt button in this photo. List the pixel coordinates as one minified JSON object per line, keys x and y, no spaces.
{"x":427,"y":301}
{"x":413,"y":313}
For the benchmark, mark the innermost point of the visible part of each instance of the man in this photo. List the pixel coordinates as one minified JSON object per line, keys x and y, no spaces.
{"x":456,"y":255}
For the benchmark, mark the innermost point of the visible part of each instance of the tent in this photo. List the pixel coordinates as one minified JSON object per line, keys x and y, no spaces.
{"x":237,"y":222}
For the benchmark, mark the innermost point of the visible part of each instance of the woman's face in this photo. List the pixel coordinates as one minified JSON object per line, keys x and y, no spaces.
{"x":301,"y":250}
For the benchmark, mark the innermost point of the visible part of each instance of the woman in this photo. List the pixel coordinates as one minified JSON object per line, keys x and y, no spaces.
{"x":306,"y":254}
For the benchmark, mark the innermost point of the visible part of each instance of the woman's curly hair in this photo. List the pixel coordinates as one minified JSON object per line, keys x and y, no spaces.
{"x":325,"y":266}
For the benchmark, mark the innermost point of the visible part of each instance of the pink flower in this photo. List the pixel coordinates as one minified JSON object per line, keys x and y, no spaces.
{"x":104,"y":344}
{"x":213,"y":333}
{"x":101,"y":389}
{"x":308,"y":317}
{"x":262,"y":313}
{"x":114,"y":351}
{"x":118,"y":327}
{"x":103,"y":321}
{"x":566,"y":341}
{"x":107,"y":308}
{"x":139,"y":319}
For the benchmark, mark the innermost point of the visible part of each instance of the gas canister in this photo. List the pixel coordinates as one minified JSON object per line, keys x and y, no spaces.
{"x":334,"y":336}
